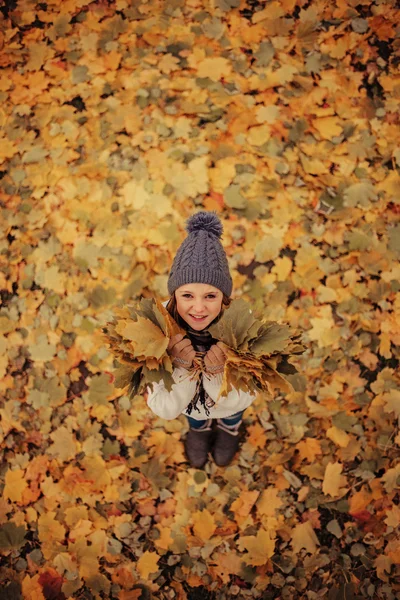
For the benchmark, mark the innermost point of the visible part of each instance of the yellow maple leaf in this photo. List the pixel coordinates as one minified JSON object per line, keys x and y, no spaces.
{"x":324,"y":330}
{"x":383,"y":565}
{"x":31,"y":588}
{"x":314,"y":166}
{"x":49,"y":528}
{"x":147,"y":563}
{"x":393,"y":517}
{"x":269,"y":246}
{"x":308,"y":449}
{"x":242,"y":506}
{"x":272,"y":11}
{"x":130,"y":425}
{"x":259,"y":547}
{"x":269,"y":502}
{"x":283,"y":267}
{"x":258,"y":135}
{"x":147,"y":339}
{"x":384,"y":346}
{"x":359,"y":500}
{"x":7,"y":150}
{"x":225,"y":566}
{"x":15,"y":485}
{"x":10,"y":418}
{"x":168,"y":63}
{"x":65,"y":446}
{"x":135,"y":195}
{"x":267,"y":114}
{"x":390,"y":478}
{"x":256,"y":435}
{"x":214,"y":68}
{"x":303,"y":536}
{"x":338,"y":436}
{"x":392,"y":402}
{"x":203,"y":524}
{"x":327,"y":127}
{"x":165,"y":539}
{"x":332,"y":479}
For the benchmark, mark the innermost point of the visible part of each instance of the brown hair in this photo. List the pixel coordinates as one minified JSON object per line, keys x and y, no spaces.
{"x":173,"y":310}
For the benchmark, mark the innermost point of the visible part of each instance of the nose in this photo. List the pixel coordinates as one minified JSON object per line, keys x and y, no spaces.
{"x":198,"y":307}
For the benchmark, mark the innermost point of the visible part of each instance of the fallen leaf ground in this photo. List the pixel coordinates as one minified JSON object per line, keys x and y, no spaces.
{"x":118,"y":120}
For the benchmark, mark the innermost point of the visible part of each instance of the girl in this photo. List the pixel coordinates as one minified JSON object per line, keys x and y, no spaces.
{"x":200,"y":286}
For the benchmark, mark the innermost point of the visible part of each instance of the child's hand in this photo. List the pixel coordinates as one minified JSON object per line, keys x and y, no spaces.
{"x":215,"y":359}
{"x":181,"y":351}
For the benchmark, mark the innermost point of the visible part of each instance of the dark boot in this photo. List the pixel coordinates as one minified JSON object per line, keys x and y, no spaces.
{"x":197,"y":446}
{"x":226,"y":443}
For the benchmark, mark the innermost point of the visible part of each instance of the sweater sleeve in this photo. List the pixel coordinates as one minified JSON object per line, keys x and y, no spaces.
{"x":169,"y":405}
{"x":212,"y":385}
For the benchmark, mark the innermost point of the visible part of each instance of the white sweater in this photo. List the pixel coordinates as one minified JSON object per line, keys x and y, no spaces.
{"x":169,"y":405}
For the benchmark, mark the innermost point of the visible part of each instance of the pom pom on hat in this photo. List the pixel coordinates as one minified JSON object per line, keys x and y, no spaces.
{"x":207,"y":221}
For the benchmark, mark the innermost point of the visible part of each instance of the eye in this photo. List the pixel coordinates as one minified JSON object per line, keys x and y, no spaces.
{"x":208,"y":295}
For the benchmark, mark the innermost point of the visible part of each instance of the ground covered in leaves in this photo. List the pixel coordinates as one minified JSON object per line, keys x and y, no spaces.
{"x":118,"y":119}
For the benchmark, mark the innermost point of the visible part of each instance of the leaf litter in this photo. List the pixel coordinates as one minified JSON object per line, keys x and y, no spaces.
{"x":116,"y":121}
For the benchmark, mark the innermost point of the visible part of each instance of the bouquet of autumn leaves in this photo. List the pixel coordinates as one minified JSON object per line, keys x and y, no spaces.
{"x":258,"y":352}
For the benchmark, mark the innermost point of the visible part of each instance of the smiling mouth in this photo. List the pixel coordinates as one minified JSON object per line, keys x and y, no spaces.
{"x":198,"y":317}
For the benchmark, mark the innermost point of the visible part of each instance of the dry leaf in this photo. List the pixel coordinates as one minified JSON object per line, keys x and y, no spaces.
{"x":147,"y":564}
{"x":333,"y":479}
{"x":203,"y":524}
{"x":259,"y":547}
{"x":303,"y":536}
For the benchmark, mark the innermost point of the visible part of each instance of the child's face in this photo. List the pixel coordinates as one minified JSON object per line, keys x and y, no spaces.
{"x":198,"y":299}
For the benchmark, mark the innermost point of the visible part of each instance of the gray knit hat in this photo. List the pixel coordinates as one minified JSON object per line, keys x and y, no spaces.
{"x":201,"y":257}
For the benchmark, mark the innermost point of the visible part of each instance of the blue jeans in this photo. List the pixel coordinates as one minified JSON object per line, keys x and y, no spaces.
{"x":232,"y":420}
